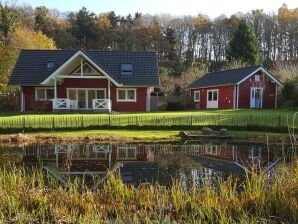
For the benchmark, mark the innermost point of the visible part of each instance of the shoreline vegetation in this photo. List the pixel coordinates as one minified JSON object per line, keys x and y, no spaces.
{"x":103,"y":136}
{"x":33,"y":198}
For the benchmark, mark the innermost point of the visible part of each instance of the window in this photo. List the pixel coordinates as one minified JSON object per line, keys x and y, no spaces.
{"x":215,"y":95}
{"x":44,"y":94}
{"x":212,"y":95}
{"x":125,"y":152}
{"x":87,"y":70}
{"x":50,"y":64}
{"x":257,"y":78}
{"x":126,"y":95}
{"x":126,"y":69}
{"x":196,"y":95}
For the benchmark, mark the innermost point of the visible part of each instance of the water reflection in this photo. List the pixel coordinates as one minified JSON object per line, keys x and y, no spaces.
{"x":140,"y":163}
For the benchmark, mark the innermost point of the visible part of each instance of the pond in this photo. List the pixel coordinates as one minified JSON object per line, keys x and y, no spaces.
{"x":141,"y":163}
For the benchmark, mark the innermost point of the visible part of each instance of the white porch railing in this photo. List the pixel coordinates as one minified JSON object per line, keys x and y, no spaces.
{"x":102,"y":104}
{"x":62,"y":104}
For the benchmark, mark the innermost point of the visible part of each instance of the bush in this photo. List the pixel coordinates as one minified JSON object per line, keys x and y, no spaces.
{"x":289,"y":103}
{"x":174,"y":106}
{"x":290,"y":93}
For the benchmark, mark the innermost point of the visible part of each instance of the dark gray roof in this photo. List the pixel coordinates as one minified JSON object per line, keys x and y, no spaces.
{"x":30,"y":68}
{"x":226,"y":77}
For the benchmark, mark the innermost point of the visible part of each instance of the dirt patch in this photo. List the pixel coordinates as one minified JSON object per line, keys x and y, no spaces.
{"x":24,"y":139}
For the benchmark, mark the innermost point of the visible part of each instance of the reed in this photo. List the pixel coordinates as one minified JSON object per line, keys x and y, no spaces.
{"x":28,"y":197}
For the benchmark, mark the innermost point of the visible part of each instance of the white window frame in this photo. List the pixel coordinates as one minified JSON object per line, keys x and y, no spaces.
{"x":257,"y":78}
{"x":45,"y":90}
{"x":212,"y":90}
{"x":126,"y":148}
{"x":194,"y":96}
{"x":212,"y":104}
{"x":86,"y":93}
{"x":126,"y":99}
{"x":81,"y":73}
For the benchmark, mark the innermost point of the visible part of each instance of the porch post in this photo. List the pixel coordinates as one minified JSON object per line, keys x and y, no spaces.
{"x":55,"y":88}
{"x":109,"y":96}
{"x":109,"y":89}
{"x":55,"y":94}
{"x":22,"y":100}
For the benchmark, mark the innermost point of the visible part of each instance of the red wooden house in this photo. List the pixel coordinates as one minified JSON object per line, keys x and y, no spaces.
{"x":248,"y":87}
{"x":85,"y":80}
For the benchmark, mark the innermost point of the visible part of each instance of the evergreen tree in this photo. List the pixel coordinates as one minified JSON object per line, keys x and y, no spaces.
{"x":244,"y":45}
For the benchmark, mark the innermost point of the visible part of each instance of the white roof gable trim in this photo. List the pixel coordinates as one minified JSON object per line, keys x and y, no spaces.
{"x":263,"y":70}
{"x":80,"y":53}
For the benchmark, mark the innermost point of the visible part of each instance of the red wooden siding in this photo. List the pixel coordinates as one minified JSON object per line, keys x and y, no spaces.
{"x":225,"y":97}
{"x":139,"y":105}
{"x":226,"y":94}
{"x":31,"y":104}
{"x":268,"y":96}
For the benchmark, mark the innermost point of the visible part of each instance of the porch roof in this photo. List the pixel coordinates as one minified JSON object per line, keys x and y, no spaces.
{"x":31,"y":69}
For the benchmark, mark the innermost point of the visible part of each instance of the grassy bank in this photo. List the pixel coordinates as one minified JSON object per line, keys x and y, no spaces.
{"x":32,"y":199}
{"x":262,"y":120}
{"x":90,"y":136}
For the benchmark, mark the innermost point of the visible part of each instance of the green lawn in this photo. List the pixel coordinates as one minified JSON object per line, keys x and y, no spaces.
{"x":257,"y":120}
{"x":146,"y":134}
{"x":289,"y":112}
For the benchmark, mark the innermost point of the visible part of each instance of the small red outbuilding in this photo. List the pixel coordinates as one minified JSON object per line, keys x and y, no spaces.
{"x":248,"y":87}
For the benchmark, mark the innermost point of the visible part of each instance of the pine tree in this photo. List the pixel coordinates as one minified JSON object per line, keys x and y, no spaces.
{"x":244,"y":45}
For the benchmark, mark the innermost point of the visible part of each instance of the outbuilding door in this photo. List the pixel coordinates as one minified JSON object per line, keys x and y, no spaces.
{"x":256,"y":97}
{"x":212,"y":98}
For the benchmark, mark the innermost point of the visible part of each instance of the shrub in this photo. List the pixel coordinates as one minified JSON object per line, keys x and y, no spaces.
{"x":290,"y":93}
{"x":174,"y":106}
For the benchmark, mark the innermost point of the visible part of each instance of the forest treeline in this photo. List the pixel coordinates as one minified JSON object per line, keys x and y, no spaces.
{"x":176,"y":39}
{"x":183,"y":44}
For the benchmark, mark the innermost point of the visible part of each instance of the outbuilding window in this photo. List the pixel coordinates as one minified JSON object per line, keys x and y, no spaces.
{"x":257,"y":78}
{"x":42,"y":94}
{"x":126,"y":95}
{"x":196,"y":95}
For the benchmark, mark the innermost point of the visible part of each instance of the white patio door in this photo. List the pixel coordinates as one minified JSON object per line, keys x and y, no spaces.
{"x":212,"y":98}
{"x":84,"y":96}
{"x":256,"y":97}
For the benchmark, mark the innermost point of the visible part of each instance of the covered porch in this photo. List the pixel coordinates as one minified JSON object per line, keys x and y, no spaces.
{"x":83,"y":99}
{"x":80,"y":84}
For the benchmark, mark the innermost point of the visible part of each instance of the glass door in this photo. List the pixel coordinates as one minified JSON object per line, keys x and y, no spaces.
{"x":100,"y":94}
{"x":82,"y":102}
{"x":91,"y":96}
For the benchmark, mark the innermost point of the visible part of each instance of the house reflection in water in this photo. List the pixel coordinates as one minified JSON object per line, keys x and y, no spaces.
{"x":141,"y":163}
{"x":136,"y":164}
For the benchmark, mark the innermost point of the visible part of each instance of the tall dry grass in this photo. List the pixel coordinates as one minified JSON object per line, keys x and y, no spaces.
{"x":29,"y":198}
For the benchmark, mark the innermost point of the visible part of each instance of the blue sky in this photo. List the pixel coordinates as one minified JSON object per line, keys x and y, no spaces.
{"x":212,"y":8}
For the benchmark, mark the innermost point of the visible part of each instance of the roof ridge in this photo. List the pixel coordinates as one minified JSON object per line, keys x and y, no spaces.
{"x":119,"y":51}
{"x":86,"y":51}
{"x":260,"y":65}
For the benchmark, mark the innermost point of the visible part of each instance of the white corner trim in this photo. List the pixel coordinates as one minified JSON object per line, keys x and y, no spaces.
{"x":234,"y":97}
{"x":126,"y":100}
{"x":237,"y":96}
{"x":275,"y":100}
{"x":79,"y":53}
